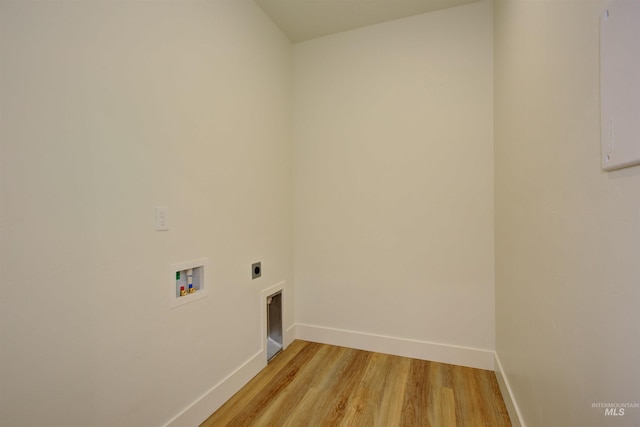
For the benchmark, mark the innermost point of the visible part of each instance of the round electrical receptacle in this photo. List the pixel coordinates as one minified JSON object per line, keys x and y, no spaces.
{"x":256,"y":270}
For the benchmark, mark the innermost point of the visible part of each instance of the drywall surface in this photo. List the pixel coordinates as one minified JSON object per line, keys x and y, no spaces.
{"x":393,"y":179}
{"x":108,"y":110}
{"x":567,"y":233}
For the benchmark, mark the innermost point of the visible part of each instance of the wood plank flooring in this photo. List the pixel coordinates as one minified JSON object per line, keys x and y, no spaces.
{"x":311,"y":384}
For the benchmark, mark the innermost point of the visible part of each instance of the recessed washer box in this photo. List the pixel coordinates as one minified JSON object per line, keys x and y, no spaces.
{"x":182,"y":275}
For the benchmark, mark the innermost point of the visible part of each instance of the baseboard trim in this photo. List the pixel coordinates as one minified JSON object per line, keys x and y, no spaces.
{"x":289,"y":335}
{"x":444,"y":353}
{"x":213,"y":399}
{"x":507,"y":395}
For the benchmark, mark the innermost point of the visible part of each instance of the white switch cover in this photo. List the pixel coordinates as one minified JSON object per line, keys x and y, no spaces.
{"x":162,"y":218}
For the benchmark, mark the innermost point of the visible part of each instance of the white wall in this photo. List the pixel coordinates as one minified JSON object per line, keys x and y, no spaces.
{"x":108,"y":110}
{"x":393,"y":182}
{"x":567,"y":233}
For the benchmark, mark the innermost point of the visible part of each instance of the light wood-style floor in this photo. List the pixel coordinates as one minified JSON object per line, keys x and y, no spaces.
{"x":311,"y":384}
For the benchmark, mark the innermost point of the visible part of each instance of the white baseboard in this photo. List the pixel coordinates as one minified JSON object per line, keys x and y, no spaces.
{"x":289,"y":335}
{"x":444,"y":353}
{"x":507,"y":395}
{"x":213,"y":399}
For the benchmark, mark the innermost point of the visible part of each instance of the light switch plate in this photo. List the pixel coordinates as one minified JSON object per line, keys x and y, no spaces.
{"x":162,"y":218}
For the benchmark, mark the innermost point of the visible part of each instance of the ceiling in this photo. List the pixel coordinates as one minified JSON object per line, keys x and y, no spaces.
{"x":302,"y":20}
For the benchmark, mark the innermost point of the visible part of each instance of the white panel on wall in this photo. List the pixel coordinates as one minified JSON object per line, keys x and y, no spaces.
{"x":620,"y":85}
